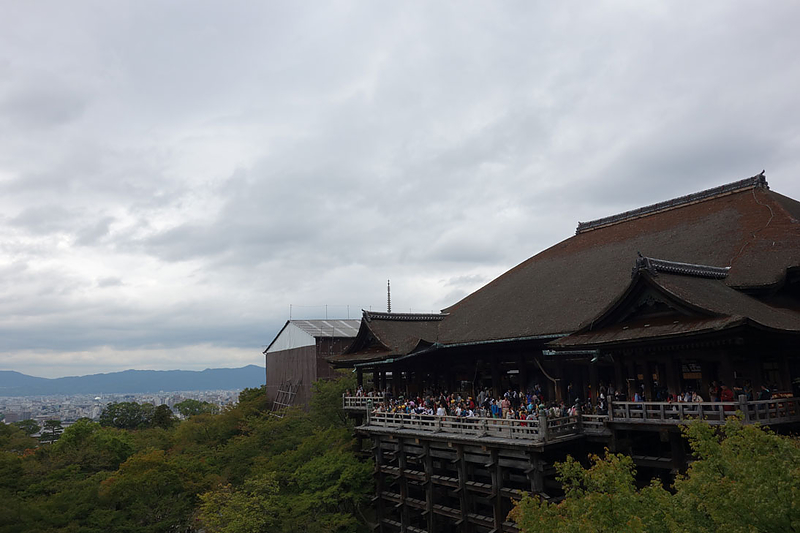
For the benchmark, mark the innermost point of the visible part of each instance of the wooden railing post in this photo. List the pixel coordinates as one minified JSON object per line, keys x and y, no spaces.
{"x":543,"y":427}
{"x":744,"y":408}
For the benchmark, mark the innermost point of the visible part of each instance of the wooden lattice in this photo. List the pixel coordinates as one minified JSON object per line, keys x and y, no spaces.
{"x":285,"y":397}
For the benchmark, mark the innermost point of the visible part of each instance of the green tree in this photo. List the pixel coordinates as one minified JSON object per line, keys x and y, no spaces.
{"x":326,"y":400}
{"x":29,"y":427}
{"x":602,"y":498}
{"x":191,"y":407}
{"x":51,"y":431}
{"x":744,"y":479}
{"x":151,"y":493}
{"x":254,"y":398}
{"x":127,"y":415}
{"x":13,"y":439}
{"x":251,"y":509}
{"x":163,"y":417}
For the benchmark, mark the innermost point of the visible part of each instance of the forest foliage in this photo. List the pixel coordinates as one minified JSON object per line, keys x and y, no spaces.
{"x":743,"y":478}
{"x":140,"y":470}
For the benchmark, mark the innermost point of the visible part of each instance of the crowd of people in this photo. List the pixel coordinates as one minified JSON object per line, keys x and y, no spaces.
{"x":511,"y":405}
{"x":527,"y":405}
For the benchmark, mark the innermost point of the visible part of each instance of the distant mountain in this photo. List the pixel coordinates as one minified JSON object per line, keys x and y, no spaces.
{"x":133,"y":381}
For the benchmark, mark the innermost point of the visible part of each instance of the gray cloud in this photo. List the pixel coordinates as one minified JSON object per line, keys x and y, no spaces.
{"x":183,"y":190}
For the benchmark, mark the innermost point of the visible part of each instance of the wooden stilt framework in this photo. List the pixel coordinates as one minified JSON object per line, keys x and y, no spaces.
{"x":429,"y":485}
{"x":285,"y":397}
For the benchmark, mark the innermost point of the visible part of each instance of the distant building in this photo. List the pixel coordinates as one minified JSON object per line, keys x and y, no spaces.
{"x":297,"y":356}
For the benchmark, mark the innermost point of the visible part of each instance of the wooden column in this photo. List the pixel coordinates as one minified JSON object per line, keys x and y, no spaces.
{"x":428,"y":465}
{"x":383,"y":380}
{"x":360,"y":376}
{"x":559,"y":386}
{"x":594,"y":383}
{"x":461,"y":465}
{"x":379,"y":484}
{"x":674,"y":370}
{"x":523,"y":373}
{"x":631,"y":379}
{"x":402,"y":464}
{"x":677,"y":451}
{"x":419,"y":382}
{"x":786,"y":374}
{"x":497,"y":385}
{"x":450,"y":380}
{"x":726,"y":369}
{"x":535,"y":473}
{"x":497,"y":488}
{"x":376,"y":379}
{"x":649,"y":391}
{"x":619,"y":375}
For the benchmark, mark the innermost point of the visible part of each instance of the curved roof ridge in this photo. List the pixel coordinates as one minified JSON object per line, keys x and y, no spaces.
{"x":676,"y":267}
{"x":759,"y":180}
{"x":376,"y":315}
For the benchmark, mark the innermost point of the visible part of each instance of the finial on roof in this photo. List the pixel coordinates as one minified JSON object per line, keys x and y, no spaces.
{"x":388,"y":296}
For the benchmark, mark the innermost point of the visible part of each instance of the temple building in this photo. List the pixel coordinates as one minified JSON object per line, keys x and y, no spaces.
{"x":676,"y":297}
{"x":297,"y":357}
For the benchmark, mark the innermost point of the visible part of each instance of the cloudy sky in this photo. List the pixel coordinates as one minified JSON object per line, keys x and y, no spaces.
{"x":175,"y":175}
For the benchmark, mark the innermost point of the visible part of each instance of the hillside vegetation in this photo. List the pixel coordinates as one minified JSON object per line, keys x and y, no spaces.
{"x":237,"y":471}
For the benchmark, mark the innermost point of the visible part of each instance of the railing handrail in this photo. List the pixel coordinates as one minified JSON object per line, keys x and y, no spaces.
{"x":541,"y":429}
{"x":774,"y":410}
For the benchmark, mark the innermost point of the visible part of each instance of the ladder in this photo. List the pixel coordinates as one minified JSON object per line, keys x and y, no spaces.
{"x":285,"y":397}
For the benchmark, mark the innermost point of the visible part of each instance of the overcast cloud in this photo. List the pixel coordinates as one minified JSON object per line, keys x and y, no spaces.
{"x":175,"y":175}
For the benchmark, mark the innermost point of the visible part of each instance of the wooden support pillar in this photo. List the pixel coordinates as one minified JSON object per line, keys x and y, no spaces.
{"x":754,"y":372}
{"x":376,"y":380}
{"x":726,"y":369}
{"x":450,"y":380}
{"x":535,"y":473}
{"x":463,"y":497}
{"x":360,"y":376}
{"x":786,"y":374}
{"x":559,"y":387}
{"x":497,"y":386}
{"x":674,"y":371}
{"x":379,"y":484}
{"x":619,"y":375}
{"x":594,"y":384}
{"x":419,"y":382}
{"x":631,"y":379}
{"x":523,"y":373}
{"x":649,"y":391}
{"x":428,"y":465}
{"x":497,"y":486}
{"x":677,"y":452}
{"x":402,"y":464}
{"x":383,"y":380}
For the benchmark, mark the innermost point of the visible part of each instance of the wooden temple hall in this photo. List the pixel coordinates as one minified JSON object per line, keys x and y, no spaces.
{"x":658,"y":301}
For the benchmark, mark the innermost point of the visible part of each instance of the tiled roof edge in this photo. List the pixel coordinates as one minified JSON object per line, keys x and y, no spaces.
{"x":673,"y":267}
{"x":748,"y":183}
{"x":407,"y":317}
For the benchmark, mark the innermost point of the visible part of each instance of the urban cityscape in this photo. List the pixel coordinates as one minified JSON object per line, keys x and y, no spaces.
{"x":69,"y":408}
